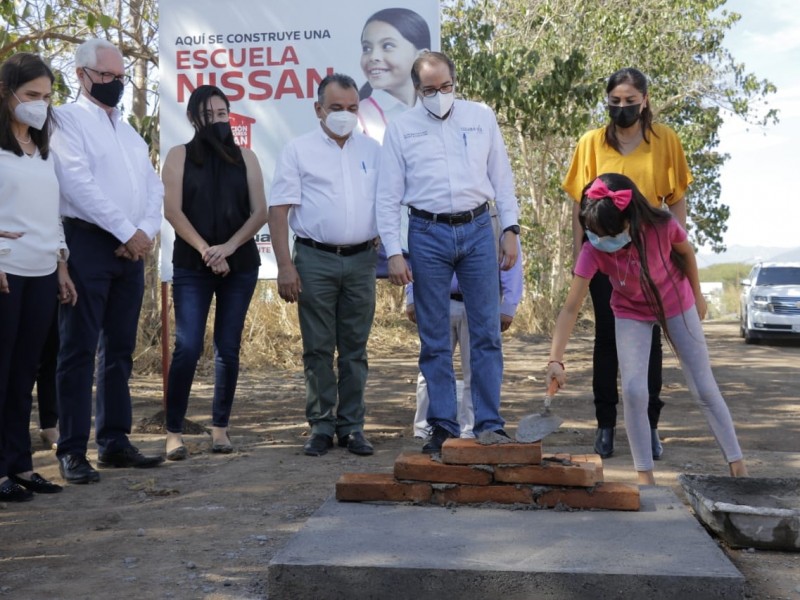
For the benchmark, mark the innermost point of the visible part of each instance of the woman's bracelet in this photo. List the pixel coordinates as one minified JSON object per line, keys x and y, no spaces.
{"x":558,"y":362}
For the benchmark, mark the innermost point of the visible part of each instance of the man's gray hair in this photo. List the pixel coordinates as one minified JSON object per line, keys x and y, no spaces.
{"x":86,"y":54}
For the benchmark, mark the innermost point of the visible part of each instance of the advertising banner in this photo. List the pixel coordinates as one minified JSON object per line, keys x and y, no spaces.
{"x":269,"y":57}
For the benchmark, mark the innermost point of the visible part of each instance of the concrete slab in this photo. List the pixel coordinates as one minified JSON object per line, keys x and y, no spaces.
{"x":387,"y":552}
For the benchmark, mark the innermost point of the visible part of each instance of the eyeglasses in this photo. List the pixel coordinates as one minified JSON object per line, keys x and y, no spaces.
{"x":431,"y":92}
{"x":106,"y":77}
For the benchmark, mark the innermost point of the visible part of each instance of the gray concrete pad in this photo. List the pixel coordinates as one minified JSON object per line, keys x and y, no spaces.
{"x":387,"y":552}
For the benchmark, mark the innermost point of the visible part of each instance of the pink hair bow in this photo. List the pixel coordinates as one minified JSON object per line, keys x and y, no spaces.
{"x":599,"y":190}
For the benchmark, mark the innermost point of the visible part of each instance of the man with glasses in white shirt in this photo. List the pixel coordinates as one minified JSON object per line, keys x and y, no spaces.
{"x":443,"y":161}
{"x":111,"y":207}
{"x":324,"y":187}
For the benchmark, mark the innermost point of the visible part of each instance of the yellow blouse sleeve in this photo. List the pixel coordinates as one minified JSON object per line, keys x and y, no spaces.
{"x":673,"y":175}
{"x":583,"y":168}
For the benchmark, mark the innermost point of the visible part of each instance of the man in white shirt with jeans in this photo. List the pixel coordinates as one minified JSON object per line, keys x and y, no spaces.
{"x":444,"y":160}
{"x":111,"y":206}
{"x":324,"y":187}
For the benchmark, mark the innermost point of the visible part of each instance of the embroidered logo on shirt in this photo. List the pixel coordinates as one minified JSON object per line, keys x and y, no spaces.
{"x":477,"y":129}
{"x":415,"y":134}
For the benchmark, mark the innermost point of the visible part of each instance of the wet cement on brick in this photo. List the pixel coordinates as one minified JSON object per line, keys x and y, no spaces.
{"x":357,"y":550}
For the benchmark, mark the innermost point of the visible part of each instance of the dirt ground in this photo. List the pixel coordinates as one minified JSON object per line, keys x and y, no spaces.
{"x":207,"y":527}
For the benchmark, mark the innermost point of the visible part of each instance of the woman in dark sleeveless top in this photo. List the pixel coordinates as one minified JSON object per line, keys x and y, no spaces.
{"x":214,"y":198}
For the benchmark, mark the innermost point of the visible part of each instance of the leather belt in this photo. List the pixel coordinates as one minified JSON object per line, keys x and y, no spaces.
{"x":453,"y":218}
{"x":340,"y":250}
{"x":81,"y":224}
{"x":457,"y":297}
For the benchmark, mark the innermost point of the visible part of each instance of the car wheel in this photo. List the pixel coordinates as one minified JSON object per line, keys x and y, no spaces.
{"x":749,"y":338}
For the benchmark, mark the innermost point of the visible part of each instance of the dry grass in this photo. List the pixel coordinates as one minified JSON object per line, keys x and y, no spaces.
{"x":271,"y":337}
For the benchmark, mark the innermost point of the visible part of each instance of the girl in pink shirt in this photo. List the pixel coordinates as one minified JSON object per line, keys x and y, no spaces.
{"x":653,"y":272}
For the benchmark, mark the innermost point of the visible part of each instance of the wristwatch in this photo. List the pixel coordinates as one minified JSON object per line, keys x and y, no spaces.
{"x":512,"y":229}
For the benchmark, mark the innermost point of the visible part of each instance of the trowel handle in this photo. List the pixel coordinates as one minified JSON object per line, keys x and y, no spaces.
{"x":551,"y":391}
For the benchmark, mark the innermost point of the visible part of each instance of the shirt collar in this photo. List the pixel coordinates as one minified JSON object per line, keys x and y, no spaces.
{"x":88,"y":105}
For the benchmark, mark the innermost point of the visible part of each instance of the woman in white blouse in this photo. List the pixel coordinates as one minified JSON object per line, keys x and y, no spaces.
{"x":33,"y":258}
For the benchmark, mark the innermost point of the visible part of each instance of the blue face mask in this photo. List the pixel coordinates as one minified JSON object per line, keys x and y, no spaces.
{"x":609,"y":243}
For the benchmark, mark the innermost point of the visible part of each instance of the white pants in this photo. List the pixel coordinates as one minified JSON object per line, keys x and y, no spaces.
{"x":459,"y":336}
{"x":633,"y":350}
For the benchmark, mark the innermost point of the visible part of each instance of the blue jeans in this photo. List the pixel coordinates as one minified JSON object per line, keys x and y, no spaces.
{"x":192,"y":292}
{"x":437,"y":250}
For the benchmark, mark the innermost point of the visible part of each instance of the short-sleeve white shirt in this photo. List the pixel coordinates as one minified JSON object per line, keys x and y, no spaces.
{"x":331,"y":189}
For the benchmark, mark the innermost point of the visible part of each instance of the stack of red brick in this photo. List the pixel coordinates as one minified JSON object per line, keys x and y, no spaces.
{"x":474,"y":473}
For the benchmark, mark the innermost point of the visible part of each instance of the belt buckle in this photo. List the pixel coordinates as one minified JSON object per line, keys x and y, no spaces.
{"x":338,"y":250}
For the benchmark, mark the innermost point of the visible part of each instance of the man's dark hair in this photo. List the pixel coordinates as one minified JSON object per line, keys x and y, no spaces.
{"x":344,"y":81}
{"x":430,"y":58}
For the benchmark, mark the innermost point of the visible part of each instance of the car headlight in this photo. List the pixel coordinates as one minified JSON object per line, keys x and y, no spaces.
{"x":760,"y":301}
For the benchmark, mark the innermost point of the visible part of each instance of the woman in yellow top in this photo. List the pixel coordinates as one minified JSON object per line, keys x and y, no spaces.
{"x":652,"y":156}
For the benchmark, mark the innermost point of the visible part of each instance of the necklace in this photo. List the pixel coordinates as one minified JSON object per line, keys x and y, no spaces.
{"x":21,"y":141}
{"x":623,"y":280}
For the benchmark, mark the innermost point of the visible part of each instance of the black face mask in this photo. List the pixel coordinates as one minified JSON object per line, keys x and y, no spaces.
{"x":220,"y":130}
{"x":107,"y":94}
{"x":624,"y":116}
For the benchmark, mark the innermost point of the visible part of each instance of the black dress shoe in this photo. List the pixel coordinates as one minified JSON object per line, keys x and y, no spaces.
{"x":37,"y":484}
{"x":75,"y":468}
{"x":11,"y":492}
{"x":438,"y":437}
{"x":356,"y":443}
{"x":318,"y":444}
{"x":655,"y":442}
{"x":604,"y":441}
{"x":128,"y":457}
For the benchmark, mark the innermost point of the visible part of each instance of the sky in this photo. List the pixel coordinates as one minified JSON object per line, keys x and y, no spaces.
{"x":761,"y":180}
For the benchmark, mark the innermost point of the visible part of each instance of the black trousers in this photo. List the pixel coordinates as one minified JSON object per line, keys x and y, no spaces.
{"x":605,"y":364}
{"x":25,"y":316}
{"x":46,"y":378}
{"x":100,"y":330}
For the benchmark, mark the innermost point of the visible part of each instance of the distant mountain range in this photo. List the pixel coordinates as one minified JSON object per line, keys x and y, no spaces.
{"x":749,"y":255}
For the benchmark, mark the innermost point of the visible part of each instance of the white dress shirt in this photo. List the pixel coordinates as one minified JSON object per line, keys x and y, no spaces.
{"x":105,"y":172}
{"x":29,"y":204}
{"x":331,"y":189}
{"x":443,"y":166}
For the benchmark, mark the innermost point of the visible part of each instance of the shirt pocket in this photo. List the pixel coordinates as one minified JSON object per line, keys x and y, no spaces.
{"x":369,"y":182}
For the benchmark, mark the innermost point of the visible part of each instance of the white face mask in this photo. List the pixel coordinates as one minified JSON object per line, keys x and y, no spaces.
{"x":440,"y":104}
{"x":33,"y":113}
{"x":341,"y":122}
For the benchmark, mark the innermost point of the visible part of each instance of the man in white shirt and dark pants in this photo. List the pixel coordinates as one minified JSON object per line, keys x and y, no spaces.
{"x":324,"y":187}
{"x":444,"y":160}
{"x":111,"y":207}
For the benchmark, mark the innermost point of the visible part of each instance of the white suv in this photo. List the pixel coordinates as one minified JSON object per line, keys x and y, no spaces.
{"x":770,"y":306}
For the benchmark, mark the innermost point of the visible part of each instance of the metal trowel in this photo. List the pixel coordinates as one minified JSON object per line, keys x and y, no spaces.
{"x":533,"y":428}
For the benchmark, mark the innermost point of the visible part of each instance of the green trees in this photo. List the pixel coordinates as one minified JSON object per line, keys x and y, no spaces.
{"x":542,"y":65}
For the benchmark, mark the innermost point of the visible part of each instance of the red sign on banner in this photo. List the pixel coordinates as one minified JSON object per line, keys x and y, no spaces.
{"x":241,"y":126}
